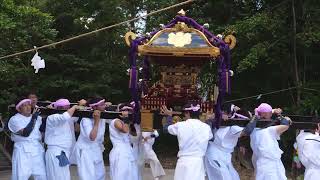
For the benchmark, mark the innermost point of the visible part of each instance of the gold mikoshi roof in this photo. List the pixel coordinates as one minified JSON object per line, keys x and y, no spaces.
{"x":179,"y":41}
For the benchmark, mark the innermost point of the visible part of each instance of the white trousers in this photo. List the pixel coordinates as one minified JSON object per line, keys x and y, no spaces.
{"x":123,"y":165}
{"x":54,"y":171}
{"x":269,"y":169}
{"x":155,"y":165}
{"x":189,"y":167}
{"x":220,"y":170}
{"x":90,"y":164}
{"x":27,"y":164}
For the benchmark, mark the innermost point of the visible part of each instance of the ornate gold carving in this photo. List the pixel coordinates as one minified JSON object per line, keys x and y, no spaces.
{"x":231,"y":41}
{"x":174,"y":51}
{"x":178,"y":80}
{"x":181,"y":69}
{"x":179,"y":75}
{"x":129,"y":37}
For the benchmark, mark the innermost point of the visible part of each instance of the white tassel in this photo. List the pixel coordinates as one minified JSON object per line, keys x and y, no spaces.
{"x":37,"y":62}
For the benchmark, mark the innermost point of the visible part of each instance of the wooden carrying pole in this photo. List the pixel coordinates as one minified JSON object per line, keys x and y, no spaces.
{"x":79,"y":113}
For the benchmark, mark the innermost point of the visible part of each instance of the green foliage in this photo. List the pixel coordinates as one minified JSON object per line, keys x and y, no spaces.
{"x":311,"y":104}
{"x":21,"y":26}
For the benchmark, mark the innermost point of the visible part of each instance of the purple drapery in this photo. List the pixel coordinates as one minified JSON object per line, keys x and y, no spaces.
{"x":223,"y":61}
{"x":133,"y":86}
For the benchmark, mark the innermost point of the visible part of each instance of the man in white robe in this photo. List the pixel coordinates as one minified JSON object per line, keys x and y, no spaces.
{"x":123,"y":164}
{"x":28,"y":152}
{"x":60,"y":140}
{"x":149,"y":154}
{"x":309,"y":153}
{"x":89,"y":146}
{"x":219,"y":153}
{"x":266,"y":151}
{"x":193,"y":136}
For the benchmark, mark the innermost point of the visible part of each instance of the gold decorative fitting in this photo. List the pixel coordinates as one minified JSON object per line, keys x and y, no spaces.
{"x":182,"y":12}
{"x":146,"y":121}
{"x":176,"y":119}
{"x":181,"y":26}
{"x":129,"y":37}
{"x":231,"y":41}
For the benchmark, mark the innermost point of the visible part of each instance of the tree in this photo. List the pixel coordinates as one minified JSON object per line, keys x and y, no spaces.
{"x":21,"y":27}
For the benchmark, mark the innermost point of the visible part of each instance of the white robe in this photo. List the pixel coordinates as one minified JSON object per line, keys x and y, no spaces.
{"x":309,"y":154}
{"x":89,"y":154}
{"x":150,"y":156}
{"x":59,"y":136}
{"x":193,"y":136}
{"x":218,"y":156}
{"x":267,"y":154}
{"x":123,"y":165}
{"x":138,"y":150}
{"x":28,"y":152}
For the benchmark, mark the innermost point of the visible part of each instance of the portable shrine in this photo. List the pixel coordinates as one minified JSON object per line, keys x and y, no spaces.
{"x":178,"y":50}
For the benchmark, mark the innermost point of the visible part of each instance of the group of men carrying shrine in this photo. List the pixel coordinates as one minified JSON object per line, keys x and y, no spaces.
{"x":203,"y":150}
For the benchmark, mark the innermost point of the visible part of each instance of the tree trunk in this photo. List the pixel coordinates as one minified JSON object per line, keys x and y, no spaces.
{"x":303,"y":14}
{"x":294,"y":53}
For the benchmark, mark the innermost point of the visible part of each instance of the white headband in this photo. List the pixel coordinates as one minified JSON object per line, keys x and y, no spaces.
{"x":193,"y":108}
{"x":232,"y":107}
{"x":126,"y":108}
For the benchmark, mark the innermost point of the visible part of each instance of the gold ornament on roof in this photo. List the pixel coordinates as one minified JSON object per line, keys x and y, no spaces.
{"x":181,"y":26}
{"x":231,"y":41}
{"x":129,"y":37}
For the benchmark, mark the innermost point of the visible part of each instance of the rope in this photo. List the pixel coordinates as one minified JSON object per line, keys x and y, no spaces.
{"x":255,"y":96}
{"x":310,"y":89}
{"x":98,"y":30}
